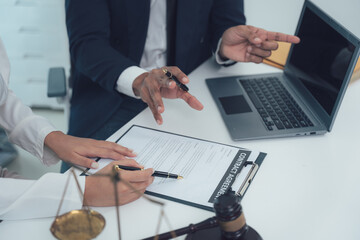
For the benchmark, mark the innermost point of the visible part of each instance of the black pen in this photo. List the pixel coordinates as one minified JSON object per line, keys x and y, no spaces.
{"x":171,"y":76}
{"x":155,"y":174}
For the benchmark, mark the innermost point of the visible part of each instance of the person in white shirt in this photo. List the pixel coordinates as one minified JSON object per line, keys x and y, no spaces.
{"x":22,"y":199}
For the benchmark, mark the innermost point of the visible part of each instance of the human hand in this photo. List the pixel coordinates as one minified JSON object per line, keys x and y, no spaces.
{"x":100,"y":192}
{"x":245,"y":43}
{"x":78,"y":151}
{"x":155,"y":85}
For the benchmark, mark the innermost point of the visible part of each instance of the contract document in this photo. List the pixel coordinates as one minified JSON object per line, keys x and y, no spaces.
{"x":209,"y":168}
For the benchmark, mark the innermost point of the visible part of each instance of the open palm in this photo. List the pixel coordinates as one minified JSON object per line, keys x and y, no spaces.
{"x":176,"y":92}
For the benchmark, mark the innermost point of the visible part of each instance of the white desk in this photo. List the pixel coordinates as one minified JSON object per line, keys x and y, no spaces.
{"x":307,"y":187}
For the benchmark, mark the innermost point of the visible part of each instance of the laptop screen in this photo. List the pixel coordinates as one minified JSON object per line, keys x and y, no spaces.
{"x":321,"y":59}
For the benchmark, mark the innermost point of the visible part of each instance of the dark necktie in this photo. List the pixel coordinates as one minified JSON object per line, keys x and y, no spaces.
{"x":171,"y":31}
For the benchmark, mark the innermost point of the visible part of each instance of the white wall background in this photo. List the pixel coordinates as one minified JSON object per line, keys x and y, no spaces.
{"x":34,"y":34}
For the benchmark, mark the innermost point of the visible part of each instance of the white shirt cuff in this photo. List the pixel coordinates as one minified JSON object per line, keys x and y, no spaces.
{"x":218,"y":58}
{"x":126,"y":79}
{"x":30,"y":134}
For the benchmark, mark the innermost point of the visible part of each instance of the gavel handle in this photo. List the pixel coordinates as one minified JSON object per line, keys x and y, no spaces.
{"x":206,"y":224}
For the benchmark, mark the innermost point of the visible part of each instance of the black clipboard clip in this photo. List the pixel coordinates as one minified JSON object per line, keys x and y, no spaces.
{"x":248,"y":179}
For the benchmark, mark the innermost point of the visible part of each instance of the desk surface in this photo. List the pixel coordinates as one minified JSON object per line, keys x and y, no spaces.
{"x":307,"y":187}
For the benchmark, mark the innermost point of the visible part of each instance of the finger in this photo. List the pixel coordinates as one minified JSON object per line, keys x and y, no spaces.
{"x":155,"y":112}
{"x":145,"y":95}
{"x":130,"y":162}
{"x":131,"y":187}
{"x":164,"y":80}
{"x":117,"y":148}
{"x":281,"y":37}
{"x":128,"y":198}
{"x":192,"y":101}
{"x":103,"y":153}
{"x":140,"y":186}
{"x":269,"y":45}
{"x":137,"y":176}
{"x":84,"y":162}
{"x":258,"y":51}
{"x":254,"y":35}
{"x":127,"y":162}
{"x":253,"y":58}
{"x":179,"y":74}
{"x":154,"y":83}
{"x":156,"y":98}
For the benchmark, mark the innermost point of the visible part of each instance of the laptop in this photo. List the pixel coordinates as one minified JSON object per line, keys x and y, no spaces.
{"x":303,"y":99}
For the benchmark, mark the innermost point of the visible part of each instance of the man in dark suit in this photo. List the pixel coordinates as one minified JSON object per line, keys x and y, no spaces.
{"x":118,"y":48}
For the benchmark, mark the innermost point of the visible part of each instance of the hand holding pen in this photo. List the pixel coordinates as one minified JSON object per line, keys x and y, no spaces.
{"x":166,"y":82}
{"x":99,"y":191}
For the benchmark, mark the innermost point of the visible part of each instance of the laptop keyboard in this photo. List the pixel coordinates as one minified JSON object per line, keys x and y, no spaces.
{"x":275,"y":105}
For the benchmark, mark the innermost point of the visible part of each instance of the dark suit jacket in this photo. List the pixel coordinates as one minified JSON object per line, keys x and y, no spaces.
{"x":108,"y":36}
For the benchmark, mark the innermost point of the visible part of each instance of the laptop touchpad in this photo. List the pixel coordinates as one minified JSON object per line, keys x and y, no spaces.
{"x":235,"y":104}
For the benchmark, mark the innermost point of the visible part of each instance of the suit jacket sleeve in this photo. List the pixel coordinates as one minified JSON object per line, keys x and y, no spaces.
{"x":225,"y":14}
{"x":88,"y":25}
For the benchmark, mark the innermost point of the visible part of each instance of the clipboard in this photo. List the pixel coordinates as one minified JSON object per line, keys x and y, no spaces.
{"x":245,"y":184}
{"x":249,"y":178}
{"x":241,"y":169}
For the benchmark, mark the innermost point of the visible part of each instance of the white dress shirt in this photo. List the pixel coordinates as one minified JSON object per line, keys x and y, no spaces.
{"x":23,"y":128}
{"x":21,"y":199}
{"x":155,"y":54}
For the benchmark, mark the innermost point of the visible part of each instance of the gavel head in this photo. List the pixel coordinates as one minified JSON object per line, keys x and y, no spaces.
{"x":230,"y":217}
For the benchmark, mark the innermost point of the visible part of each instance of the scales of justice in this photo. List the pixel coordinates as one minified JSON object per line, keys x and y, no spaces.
{"x":229,"y":222}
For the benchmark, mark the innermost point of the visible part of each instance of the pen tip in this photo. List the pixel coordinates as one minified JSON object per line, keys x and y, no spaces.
{"x":180,"y":177}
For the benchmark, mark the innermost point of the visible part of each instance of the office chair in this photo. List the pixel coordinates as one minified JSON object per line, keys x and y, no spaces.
{"x":59,"y":87}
